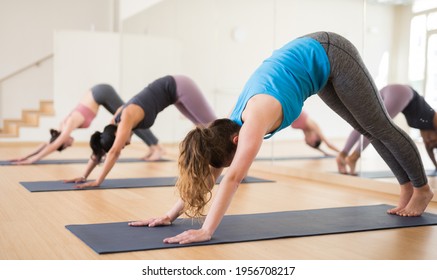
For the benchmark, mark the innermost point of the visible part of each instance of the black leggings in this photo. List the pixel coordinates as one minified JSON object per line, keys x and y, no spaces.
{"x":106,"y":96}
{"x":352,"y":94}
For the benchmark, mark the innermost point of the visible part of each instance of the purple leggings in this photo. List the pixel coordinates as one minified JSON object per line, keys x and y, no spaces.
{"x":396,"y":98}
{"x":191,"y":102}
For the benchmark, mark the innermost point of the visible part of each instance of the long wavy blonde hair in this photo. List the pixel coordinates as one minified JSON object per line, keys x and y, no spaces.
{"x":202,"y":148}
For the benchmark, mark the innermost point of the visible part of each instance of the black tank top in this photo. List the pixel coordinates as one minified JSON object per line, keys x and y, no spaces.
{"x":153,"y":99}
{"x":418,"y":113}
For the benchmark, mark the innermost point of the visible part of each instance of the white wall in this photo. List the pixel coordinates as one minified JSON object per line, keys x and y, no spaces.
{"x":145,"y":58}
{"x":127,"y":62}
{"x":26,"y":26}
{"x":221,"y":63}
{"x":129,"y":8}
{"x":200,"y":35}
{"x":26,"y":90}
{"x":82,"y":60}
{"x":26,"y":35}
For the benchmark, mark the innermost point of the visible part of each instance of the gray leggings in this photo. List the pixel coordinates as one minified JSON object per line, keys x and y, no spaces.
{"x":353,"y":95}
{"x":106,"y":96}
{"x":396,"y":98}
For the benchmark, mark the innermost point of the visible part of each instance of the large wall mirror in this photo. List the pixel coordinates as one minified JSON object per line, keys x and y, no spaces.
{"x":410,"y":59}
{"x":220,"y":42}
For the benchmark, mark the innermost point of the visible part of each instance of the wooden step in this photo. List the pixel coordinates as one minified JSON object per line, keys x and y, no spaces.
{"x":4,"y":134}
{"x":29,"y":118}
{"x":11,"y":127}
{"x":46,"y":107}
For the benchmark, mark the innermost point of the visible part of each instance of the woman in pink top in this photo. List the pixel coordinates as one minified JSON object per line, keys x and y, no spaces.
{"x":81,"y":117}
{"x":312,"y":133}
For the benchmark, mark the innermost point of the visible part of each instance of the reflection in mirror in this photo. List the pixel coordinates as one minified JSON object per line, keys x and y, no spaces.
{"x":219,"y":44}
{"x":412,"y":57}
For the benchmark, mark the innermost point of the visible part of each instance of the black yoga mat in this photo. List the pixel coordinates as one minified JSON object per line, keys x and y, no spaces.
{"x":389,"y":174}
{"x":73,"y":161}
{"x":46,"y":186}
{"x":292,"y":158}
{"x":119,"y":237}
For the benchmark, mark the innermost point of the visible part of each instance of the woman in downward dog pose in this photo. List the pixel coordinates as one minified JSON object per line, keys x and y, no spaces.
{"x":82,"y":117}
{"x":312,"y":133}
{"x":140,"y":112}
{"x":397,"y":99}
{"x":323,"y":63}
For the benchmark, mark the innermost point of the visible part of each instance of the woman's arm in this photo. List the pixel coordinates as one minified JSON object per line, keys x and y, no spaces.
{"x":312,"y":125}
{"x":115,"y":114}
{"x":70,"y":124}
{"x":166,"y":220}
{"x":92,"y":163}
{"x":122,"y":137}
{"x":245,"y":154}
{"x":173,"y":213}
{"x":261,"y":116}
{"x":40,"y":147}
{"x":249,"y":143}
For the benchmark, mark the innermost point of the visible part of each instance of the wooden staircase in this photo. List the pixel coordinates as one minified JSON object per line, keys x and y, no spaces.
{"x":29,"y":118}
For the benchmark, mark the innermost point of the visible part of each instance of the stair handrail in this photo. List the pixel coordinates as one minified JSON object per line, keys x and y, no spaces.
{"x":22,"y":69}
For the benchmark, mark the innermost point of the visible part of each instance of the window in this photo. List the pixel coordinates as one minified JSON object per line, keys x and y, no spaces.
{"x":416,"y":69}
{"x":422,"y":70}
{"x":423,"y":5}
{"x":431,"y":71}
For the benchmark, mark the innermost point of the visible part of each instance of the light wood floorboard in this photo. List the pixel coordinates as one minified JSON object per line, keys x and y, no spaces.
{"x":32,"y":225}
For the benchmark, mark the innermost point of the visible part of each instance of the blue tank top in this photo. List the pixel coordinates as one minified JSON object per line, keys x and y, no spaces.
{"x":292,"y":74}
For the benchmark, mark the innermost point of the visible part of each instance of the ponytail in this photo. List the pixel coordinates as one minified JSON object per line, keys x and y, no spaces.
{"x":201,"y":148}
{"x":54,"y":134}
{"x":101,"y":142}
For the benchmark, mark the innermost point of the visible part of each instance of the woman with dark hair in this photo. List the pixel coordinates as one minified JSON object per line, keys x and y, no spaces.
{"x":321,"y":63}
{"x":81,"y":117}
{"x":141,"y":112}
{"x":418,"y":114}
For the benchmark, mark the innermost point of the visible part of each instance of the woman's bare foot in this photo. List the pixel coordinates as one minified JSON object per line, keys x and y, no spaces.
{"x":404,"y":198}
{"x":418,"y":202}
{"x":155,"y":153}
{"x":351,"y":161}
{"x":341,"y":163}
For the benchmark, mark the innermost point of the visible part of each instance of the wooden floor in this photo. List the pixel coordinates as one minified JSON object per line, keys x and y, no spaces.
{"x":32,"y":225}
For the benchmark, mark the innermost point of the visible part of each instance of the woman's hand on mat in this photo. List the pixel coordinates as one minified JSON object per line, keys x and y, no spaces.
{"x":75,"y":180}
{"x":22,"y":162}
{"x":17,"y":159}
{"x":189,"y":236}
{"x":153,"y":222}
{"x":91,"y":184}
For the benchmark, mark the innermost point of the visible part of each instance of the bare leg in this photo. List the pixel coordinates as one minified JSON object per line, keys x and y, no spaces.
{"x":155,"y":153}
{"x":418,"y":202}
